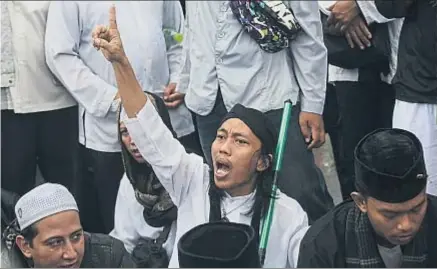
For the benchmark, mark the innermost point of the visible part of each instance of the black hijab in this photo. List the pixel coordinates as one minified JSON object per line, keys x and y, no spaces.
{"x":159,"y":209}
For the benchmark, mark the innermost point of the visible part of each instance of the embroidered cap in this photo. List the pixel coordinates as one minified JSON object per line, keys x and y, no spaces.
{"x":44,"y":200}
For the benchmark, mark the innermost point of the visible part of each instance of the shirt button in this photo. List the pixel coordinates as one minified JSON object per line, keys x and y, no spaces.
{"x":221,"y":35}
{"x":219,"y":60}
{"x":224,"y":8}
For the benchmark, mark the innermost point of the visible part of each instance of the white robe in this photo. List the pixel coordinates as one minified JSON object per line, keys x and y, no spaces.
{"x":186,"y":178}
{"x":421,"y":120}
{"x":129,"y":223}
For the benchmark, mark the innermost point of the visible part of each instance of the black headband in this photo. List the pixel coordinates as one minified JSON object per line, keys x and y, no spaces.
{"x":258,"y":123}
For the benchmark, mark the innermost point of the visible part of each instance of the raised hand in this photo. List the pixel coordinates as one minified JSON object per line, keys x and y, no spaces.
{"x":107,"y":39}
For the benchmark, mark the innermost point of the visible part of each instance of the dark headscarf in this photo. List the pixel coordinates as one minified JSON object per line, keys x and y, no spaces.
{"x":389,"y":165}
{"x":159,"y":209}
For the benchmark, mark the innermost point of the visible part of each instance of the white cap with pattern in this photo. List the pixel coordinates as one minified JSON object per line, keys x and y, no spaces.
{"x":44,"y":200}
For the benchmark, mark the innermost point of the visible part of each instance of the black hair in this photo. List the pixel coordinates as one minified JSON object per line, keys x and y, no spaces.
{"x":29,"y":233}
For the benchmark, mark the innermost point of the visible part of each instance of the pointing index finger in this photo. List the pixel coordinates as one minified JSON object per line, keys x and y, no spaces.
{"x":112,"y":18}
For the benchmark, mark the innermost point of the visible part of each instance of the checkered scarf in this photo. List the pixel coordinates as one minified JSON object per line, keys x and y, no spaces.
{"x":361,"y":247}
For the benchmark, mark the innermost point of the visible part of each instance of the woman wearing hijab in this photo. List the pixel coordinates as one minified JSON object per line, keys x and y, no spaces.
{"x":144,"y":210}
{"x":235,"y":189}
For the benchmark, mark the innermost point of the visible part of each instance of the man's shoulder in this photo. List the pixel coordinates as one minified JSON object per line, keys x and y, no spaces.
{"x":432,"y":205}
{"x":95,"y":239}
{"x":102,"y":250}
{"x":330,"y":228}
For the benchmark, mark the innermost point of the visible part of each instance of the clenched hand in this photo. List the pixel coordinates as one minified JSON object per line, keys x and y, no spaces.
{"x":313,"y":129}
{"x":172,"y":98}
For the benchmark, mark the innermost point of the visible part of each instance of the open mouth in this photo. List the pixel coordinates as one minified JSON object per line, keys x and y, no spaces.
{"x":222,"y":168}
{"x":136,"y":152}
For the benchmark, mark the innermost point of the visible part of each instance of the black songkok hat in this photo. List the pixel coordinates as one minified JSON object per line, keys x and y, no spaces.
{"x":389,"y":165}
{"x":260,"y":125}
{"x":219,"y":245}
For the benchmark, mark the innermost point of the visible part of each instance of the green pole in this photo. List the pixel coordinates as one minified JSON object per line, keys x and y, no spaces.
{"x":279,"y":154}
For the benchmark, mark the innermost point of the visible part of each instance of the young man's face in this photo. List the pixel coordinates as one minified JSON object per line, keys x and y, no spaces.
{"x":397,"y":223}
{"x":236,"y":157}
{"x":59,"y":242}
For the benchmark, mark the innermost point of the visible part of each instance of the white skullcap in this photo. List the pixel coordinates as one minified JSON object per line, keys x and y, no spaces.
{"x":43,"y":201}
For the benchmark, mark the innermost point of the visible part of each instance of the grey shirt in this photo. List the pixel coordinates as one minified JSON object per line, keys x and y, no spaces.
{"x":392,"y":257}
{"x":219,"y":53}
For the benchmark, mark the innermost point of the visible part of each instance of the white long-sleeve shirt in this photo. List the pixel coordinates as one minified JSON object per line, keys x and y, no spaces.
{"x":371,"y":15}
{"x":30,"y":87}
{"x":219,"y":53}
{"x":186,"y":178}
{"x":90,"y":77}
{"x":129,"y":223}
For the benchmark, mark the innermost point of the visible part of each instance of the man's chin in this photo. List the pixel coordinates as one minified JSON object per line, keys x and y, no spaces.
{"x":221,"y":183}
{"x":401,"y":241}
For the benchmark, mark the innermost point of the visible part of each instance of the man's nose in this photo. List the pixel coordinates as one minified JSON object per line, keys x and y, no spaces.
{"x":225,"y":147}
{"x":405,"y":223}
{"x":70,"y":252}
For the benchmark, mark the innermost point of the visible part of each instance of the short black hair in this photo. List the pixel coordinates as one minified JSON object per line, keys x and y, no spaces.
{"x":29,"y":234}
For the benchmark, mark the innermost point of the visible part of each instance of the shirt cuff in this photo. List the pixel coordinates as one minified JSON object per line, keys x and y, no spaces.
{"x":370,"y":12}
{"x":312,"y":106}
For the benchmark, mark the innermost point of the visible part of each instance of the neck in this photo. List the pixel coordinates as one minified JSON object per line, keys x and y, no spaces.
{"x":239,"y":192}
{"x":243,"y":189}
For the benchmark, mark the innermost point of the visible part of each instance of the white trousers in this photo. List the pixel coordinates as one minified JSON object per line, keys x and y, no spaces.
{"x":421,"y":120}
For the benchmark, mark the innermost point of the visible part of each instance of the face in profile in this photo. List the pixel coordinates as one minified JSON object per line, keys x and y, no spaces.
{"x":236,"y":153}
{"x":59,"y":242}
{"x":130,"y":145}
{"x":397,"y":223}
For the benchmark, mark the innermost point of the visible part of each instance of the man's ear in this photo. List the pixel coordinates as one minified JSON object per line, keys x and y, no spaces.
{"x":360,"y":201}
{"x":24,"y":246}
{"x":264,"y":162}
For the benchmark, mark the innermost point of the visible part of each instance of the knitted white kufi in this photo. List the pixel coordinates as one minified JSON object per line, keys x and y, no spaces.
{"x":44,"y":200}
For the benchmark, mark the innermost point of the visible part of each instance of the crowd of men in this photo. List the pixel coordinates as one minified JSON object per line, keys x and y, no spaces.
{"x":161,"y":152}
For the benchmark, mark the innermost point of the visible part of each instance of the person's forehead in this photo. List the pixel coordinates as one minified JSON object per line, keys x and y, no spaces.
{"x":235,"y":125}
{"x":404,"y":206}
{"x":59,"y":224}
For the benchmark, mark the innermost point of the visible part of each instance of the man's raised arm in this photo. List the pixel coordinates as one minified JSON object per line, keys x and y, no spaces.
{"x":174,"y":168}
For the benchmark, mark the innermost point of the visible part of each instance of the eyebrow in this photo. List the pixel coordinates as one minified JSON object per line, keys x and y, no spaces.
{"x":60,"y":237}
{"x":235,"y":134}
{"x":397,"y":212}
